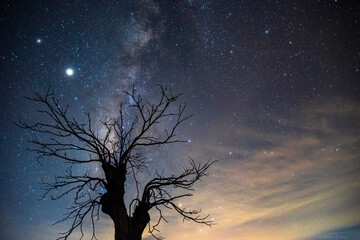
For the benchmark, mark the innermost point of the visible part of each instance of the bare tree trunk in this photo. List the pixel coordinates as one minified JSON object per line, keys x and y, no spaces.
{"x":138,"y":221}
{"x":127,"y":228}
{"x":122,"y":228}
{"x":115,"y":208}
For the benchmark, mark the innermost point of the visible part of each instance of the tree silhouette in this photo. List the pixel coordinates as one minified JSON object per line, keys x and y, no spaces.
{"x":117,"y":152}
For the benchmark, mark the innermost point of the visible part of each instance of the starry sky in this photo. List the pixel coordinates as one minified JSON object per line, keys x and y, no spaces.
{"x":273,"y":86}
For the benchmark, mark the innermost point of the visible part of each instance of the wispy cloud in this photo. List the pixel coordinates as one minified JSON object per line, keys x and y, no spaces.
{"x":296,"y":184}
{"x":291,"y":185}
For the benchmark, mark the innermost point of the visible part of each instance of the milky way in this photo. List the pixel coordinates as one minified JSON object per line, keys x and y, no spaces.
{"x":273,"y":86}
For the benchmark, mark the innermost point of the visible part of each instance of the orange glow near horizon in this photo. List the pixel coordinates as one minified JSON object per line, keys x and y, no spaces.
{"x":310,"y":187}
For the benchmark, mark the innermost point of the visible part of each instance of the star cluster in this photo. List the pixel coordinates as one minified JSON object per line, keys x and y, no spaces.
{"x":273,"y":85}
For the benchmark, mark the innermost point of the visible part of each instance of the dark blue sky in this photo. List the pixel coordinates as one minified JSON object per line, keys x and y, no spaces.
{"x":273,"y":85}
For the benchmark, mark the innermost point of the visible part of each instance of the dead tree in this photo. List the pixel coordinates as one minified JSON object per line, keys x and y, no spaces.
{"x":117,"y":152}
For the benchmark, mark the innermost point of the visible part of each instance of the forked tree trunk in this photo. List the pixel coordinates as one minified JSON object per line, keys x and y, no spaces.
{"x":126,"y":228}
{"x":112,"y":204}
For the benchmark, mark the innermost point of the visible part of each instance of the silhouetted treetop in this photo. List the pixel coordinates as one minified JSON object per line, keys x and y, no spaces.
{"x":114,"y":147}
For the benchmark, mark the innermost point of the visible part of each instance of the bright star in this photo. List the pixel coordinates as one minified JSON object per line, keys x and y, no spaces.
{"x":69,"y":72}
{"x":38,"y":40}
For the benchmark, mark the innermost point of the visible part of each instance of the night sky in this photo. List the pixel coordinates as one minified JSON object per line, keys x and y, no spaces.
{"x":273,"y":86}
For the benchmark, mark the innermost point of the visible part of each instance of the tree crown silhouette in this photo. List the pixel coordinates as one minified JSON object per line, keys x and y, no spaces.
{"x":117,"y":152}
